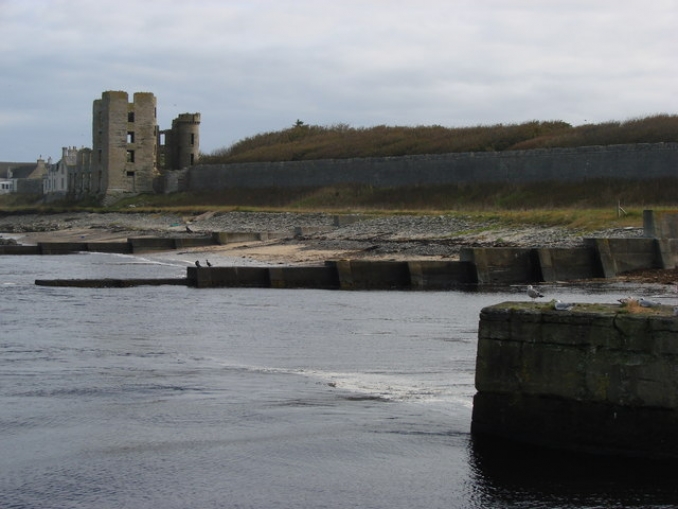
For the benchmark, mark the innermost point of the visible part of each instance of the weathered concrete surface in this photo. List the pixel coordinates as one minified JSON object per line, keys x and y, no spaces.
{"x":596,"y":378}
{"x":19,"y":250}
{"x":441,"y":275}
{"x":109,"y":247}
{"x":372,"y":275}
{"x":622,"y":255}
{"x":140,"y":244}
{"x":660,"y":224}
{"x":324,"y":277}
{"x":500,"y":266}
{"x":55,"y":248}
{"x":236,"y":237}
{"x":111,"y":283}
{"x":563,"y":264}
{"x":242,"y":277}
{"x":663,"y":226}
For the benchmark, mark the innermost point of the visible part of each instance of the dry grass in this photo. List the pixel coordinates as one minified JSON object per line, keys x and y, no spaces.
{"x":308,"y":142}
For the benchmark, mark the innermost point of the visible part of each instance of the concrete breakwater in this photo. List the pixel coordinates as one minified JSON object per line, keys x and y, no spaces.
{"x":132,"y":245}
{"x":596,"y":378}
{"x":597,"y":258}
{"x":602,"y":258}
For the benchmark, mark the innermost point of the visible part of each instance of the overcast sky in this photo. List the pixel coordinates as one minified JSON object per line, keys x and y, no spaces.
{"x":252,"y":66}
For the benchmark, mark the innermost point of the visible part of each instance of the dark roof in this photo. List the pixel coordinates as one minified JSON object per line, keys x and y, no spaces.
{"x":19,"y":170}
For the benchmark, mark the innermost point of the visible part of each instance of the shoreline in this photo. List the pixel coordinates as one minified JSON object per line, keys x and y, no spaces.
{"x":309,"y":238}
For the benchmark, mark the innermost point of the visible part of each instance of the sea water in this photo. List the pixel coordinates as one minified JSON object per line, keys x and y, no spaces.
{"x":174,"y":397}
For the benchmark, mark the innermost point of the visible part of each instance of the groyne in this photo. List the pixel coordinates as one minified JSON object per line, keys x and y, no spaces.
{"x":598,"y":378}
{"x":132,"y":245}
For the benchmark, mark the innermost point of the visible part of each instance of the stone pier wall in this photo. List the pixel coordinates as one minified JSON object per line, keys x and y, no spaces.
{"x":633,"y":161}
{"x":598,"y":378}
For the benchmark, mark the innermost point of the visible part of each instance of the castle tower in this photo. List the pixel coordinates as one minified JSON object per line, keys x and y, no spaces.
{"x":182,"y":142}
{"x":124,"y":143}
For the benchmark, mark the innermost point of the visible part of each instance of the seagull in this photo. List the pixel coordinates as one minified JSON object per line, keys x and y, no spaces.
{"x":647,"y":303}
{"x":208,"y":263}
{"x":562,"y":306}
{"x":533,"y":294}
{"x":197,"y":264}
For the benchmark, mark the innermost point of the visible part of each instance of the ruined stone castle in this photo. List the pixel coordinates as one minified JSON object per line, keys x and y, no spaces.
{"x":129,"y":151}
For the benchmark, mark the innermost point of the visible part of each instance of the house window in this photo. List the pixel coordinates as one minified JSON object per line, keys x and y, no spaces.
{"x":130,"y":116}
{"x":130,"y":156}
{"x":130,"y":136}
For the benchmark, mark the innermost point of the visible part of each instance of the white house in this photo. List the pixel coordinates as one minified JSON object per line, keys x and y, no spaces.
{"x":55,"y":180}
{"x":7,"y":185}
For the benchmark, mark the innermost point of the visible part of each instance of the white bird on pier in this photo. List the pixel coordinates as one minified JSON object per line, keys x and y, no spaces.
{"x":647,"y":303}
{"x":562,"y":306}
{"x":532,"y":293}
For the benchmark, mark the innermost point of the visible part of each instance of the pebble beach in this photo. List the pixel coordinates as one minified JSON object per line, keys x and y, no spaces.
{"x":302,"y":237}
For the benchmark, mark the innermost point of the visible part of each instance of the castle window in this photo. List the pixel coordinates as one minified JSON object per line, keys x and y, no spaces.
{"x":130,"y":137}
{"x":192,"y":159}
{"x":192,"y":138}
{"x":130,"y":156}
{"x":130,"y":116}
{"x":130,"y":174}
{"x":99,"y":155}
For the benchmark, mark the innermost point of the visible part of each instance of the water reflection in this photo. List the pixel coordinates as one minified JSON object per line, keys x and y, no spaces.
{"x":512,"y":475}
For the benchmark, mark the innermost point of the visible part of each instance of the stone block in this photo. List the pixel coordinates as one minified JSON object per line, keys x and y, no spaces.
{"x":109,"y":247}
{"x":441,"y":275}
{"x":591,"y":378}
{"x":566,"y":264}
{"x":304,"y":277}
{"x":617,"y":256}
{"x":140,"y":244}
{"x":235,"y":237}
{"x":54,"y":248}
{"x":660,"y":224}
{"x":232,"y":277}
{"x":20,"y":250}
{"x":503,"y":265}
{"x":373,"y":275}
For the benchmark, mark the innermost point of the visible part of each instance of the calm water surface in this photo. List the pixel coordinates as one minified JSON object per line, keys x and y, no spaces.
{"x":247,"y":398}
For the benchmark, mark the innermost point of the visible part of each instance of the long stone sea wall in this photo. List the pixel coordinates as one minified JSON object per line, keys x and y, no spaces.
{"x":633,"y":161}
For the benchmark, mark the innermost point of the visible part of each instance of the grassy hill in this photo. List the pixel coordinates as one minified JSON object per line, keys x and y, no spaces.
{"x":307,"y":142}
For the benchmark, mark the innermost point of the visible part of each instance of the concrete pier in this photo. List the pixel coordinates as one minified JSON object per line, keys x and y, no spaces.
{"x":111,"y":282}
{"x":599,"y":378}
